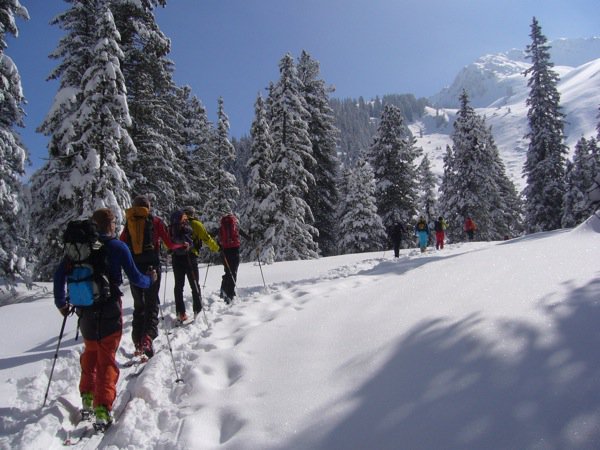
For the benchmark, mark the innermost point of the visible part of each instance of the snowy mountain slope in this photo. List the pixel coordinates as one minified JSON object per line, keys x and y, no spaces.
{"x":355,"y":351}
{"x":500,"y":77}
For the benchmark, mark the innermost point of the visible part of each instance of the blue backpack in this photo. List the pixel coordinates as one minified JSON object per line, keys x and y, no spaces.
{"x":86,"y":264}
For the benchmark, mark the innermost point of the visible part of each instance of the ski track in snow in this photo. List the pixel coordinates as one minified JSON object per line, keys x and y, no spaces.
{"x":197,"y":413}
{"x":202,"y":356}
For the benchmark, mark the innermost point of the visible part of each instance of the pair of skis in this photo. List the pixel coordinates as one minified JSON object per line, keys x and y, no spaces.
{"x":87,"y":435}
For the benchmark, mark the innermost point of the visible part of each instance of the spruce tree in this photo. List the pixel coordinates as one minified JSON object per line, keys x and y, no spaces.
{"x":13,"y":156}
{"x":393,"y":158}
{"x":361,"y":228}
{"x":196,"y":140}
{"x":322,"y":195}
{"x":579,"y":180}
{"x":291,"y":234}
{"x":427,"y":202}
{"x":224,"y":195}
{"x":87,"y":128}
{"x":544,"y":166}
{"x":258,"y":213}
{"x":475,"y":183}
{"x":160,"y":166}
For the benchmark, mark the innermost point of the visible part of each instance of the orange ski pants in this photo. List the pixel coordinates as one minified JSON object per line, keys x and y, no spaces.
{"x":99,"y":369}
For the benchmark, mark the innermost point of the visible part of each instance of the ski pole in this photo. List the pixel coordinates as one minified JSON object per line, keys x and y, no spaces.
{"x":206,"y":276}
{"x":62,"y":330}
{"x":260,"y":267}
{"x":197,"y":287}
{"x":162,"y":317}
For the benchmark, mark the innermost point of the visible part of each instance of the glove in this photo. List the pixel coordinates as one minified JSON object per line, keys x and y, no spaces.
{"x":152,"y":274}
{"x":65,"y":310}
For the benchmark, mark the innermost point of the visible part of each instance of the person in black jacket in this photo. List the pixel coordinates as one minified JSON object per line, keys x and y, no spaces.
{"x":396,"y":233}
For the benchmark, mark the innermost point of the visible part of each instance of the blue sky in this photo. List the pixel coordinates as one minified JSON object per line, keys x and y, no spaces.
{"x":231,"y":48}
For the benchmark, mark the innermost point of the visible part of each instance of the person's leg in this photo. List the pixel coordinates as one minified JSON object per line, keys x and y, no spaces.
{"x":107,"y":371}
{"x":179,"y":271}
{"x":192,"y":276}
{"x":151,"y":307}
{"x":87,"y":361}
{"x":137,"y":325}
{"x":228,"y":283}
{"x":234,"y":261}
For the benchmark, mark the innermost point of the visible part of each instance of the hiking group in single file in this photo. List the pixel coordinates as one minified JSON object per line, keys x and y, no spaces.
{"x":87,"y":283}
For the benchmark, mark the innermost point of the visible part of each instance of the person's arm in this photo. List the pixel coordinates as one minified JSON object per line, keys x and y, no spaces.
{"x":60,"y":298}
{"x":199,"y":230}
{"x":163,"y":234}
{"x":126,"y":261}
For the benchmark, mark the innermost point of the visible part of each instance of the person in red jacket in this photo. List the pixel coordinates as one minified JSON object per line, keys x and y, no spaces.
{"x":143,"y":234}
{"x":229,"y":239}
{"x":470,"y":228}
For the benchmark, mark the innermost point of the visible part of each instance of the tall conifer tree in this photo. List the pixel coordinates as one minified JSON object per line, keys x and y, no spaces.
{"x":13,"y":155}
{"x":224,"y":195}
{"x":361,"y":228}
{"x":393,"y":158}
{"x":87,"y":129}
{"x":545,"y":163}
{"x":155,"y":107}
{"x":291,"y":235}
{"x":427,"y":188}
{"x":322,"y":195}
{"x":475,"y":182}
{"x":258,"y":212}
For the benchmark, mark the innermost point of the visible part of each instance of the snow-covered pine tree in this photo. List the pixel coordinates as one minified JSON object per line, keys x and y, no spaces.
{"x":579,"y":180}
{"x":291,"y":234}
{"x":223,"y":197}
{"x":197,"y":133}
{"x":544,"y":166}
{"x":475,"y":183}
{"x":361,"y":227}
{"x":427,"y":200}
{"x":393,"y":159}
{"x":83,"y":172}
{"x":101,"y":121}
{"x":13,"y":156}
{"x":322,"y":195}
{"x":160,"y":168}
{"x":593,"y":195}
{"x":258,"y":213}
{"x":87,"y":128}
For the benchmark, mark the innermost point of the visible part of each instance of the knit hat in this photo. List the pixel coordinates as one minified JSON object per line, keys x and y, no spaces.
{"x":103,"y":217}
{"x":141,"y":200}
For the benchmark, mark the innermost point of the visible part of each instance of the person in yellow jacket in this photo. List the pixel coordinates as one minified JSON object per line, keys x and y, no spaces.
{"x":187,"y":264}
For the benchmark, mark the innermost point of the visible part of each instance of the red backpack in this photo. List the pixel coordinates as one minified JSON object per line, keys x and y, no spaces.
{"x":229,"y":234}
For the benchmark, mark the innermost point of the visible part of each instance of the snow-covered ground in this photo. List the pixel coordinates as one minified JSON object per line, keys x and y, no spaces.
{"x":484,"y":345}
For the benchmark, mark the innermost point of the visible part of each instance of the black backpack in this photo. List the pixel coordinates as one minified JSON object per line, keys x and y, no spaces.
{"x":86,"y":264}
{"x":180,"y":232}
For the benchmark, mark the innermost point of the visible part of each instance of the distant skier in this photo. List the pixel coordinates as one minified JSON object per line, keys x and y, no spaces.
{"x":396,"y":232}
{"x":470,"y":228}
{"x":440,"y":232}
{"x":422,"y":232}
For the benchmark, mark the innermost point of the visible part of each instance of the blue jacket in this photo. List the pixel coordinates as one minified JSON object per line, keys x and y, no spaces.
{"x":98,"y":321}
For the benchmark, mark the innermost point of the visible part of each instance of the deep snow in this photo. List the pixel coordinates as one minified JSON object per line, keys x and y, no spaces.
{"x":489,"y":345}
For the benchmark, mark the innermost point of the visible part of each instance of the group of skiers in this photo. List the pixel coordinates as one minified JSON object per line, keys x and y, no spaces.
{"x":93,"y":269}
{"x":424,"y":232}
